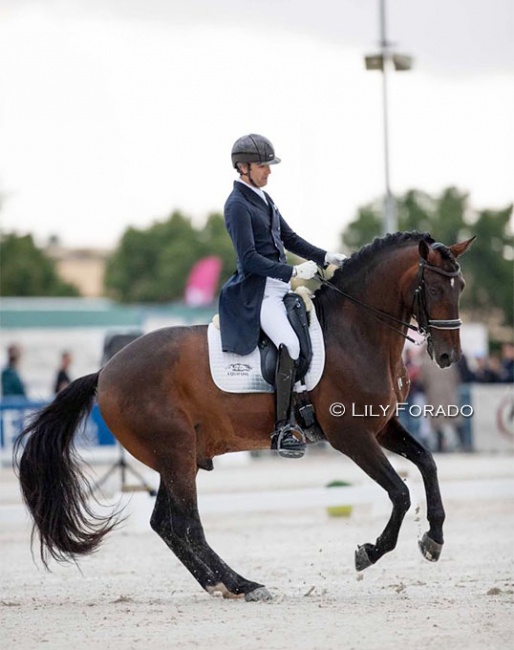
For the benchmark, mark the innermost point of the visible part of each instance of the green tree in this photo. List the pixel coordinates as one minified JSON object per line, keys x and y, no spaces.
{"x":25,"y":270}
{"x":152,"y":265}
{"x":488,"y":266}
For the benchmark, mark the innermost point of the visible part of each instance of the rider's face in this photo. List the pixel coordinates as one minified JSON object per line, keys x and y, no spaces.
{"x":258,"y":173}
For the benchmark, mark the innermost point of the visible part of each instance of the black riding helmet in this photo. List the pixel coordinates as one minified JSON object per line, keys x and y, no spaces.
{"x":253,"y":148}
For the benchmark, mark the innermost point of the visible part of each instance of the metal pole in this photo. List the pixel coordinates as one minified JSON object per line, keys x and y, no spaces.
{"x":389,"y":213}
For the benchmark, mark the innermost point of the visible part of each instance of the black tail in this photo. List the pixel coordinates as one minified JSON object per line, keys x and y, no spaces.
{"x":53,"y":485}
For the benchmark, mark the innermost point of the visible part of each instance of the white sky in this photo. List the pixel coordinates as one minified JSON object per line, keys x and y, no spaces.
{"x":116,"y":112}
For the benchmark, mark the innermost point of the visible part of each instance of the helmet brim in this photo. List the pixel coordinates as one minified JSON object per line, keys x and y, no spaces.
{"x":275,"y":161}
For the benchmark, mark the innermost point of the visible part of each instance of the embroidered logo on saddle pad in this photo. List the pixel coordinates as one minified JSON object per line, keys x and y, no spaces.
{"x":235,"y":373}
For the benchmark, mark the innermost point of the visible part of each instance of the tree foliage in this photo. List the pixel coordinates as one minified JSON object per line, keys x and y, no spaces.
{"x":487,"y":266}
{"x":152,"y":265}
{"x":26,"y":270}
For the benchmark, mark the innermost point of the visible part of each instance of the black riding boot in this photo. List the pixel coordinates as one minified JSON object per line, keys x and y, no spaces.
{"x":283,"y":439}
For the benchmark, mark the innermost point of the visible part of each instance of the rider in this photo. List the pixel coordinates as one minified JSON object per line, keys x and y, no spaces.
{"x":252,"y":299}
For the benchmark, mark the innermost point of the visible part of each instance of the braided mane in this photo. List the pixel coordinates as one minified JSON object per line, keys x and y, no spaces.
{"x":361,"y":258}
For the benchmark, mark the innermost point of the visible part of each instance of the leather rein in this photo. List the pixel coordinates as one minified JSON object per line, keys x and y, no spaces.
{"x":418,"y":310}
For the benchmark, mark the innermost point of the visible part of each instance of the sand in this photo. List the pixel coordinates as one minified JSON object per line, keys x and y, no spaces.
{"x":133,"y":593}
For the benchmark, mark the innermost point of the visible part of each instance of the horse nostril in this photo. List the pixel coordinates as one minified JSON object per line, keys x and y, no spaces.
{"x":444,"y":360}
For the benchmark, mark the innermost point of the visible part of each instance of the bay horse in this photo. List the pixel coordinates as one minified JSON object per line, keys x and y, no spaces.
{"x":157,"y":397}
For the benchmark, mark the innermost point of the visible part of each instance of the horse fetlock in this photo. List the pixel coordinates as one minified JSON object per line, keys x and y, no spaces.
{"x":220,"y":588}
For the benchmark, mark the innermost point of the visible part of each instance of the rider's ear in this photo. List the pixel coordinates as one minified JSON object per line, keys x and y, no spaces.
{"x":459,"y":249}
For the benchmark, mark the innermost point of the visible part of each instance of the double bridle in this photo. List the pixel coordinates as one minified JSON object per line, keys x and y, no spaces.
{"x":419,"y":305}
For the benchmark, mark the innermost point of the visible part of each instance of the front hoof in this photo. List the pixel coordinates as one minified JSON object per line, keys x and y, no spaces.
{"x":261,"y":594}
{"x":430,"y":550}
{"x":362,"y":560}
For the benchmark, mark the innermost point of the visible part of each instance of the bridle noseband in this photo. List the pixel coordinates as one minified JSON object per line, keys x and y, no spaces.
{"x":419,"y":303}
{"x":419,"y":308}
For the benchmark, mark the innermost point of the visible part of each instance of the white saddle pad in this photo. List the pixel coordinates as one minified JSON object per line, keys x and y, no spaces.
{"x":235,"y":373}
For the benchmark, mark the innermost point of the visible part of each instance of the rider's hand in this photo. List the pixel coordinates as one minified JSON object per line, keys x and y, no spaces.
{"x":335,"y":258}
{"x":305,"y":271}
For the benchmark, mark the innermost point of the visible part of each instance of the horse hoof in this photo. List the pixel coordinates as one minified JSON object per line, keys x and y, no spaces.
{"x":362,"y":560}
{"x":429,"y":549}
{"x":257,"y":595}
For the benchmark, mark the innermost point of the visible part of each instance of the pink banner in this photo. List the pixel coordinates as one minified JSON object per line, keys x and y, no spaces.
{"x":202,"y":282}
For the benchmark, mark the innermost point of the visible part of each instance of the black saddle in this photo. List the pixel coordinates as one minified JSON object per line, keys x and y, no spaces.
{"x":297,"y":315}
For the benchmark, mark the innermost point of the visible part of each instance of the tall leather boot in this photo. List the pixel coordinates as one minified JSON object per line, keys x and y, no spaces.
{"x":283,"y":439}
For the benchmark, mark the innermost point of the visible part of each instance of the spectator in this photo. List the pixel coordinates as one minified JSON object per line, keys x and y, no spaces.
{"x":63,"y":379}
{"x":12,"y":384}
{"x":467,"y":377}
{"x":507,"y":363}
{"x":410,"y":420}
{"x":466,"y":374}
{"x":441,"y":388}
{"x":488,"y":369}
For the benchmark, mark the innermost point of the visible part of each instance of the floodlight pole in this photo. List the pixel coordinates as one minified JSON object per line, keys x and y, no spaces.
{"x":389,"y":221}
{"x":382,"y":61}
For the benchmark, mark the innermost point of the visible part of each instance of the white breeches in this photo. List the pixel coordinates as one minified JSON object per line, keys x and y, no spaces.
{"x":274,"y":319}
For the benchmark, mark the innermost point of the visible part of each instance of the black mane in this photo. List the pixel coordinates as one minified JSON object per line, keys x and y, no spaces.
{"x":343,"y":276}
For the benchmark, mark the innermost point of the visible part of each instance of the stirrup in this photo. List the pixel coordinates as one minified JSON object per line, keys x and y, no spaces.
{"x":286,"y":443}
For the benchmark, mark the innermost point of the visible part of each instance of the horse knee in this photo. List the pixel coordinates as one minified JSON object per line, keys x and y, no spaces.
{"x":400,"y":498}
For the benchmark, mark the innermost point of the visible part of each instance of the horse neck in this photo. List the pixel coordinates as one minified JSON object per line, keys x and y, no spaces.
{"x":383,"y":285}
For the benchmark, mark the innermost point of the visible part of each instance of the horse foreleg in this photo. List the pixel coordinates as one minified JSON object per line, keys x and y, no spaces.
{"x":176,"y":520}
{"x":366,"y":453}
{"x":397,"y":439}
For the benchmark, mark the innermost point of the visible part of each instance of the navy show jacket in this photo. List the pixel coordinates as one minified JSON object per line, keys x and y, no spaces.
{"x":259,"y":234}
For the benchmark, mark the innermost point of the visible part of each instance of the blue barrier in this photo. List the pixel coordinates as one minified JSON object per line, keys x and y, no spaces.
{"x":15,"y":414}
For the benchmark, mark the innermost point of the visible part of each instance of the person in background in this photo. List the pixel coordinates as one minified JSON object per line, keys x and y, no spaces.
{"x":507,"y":363}
{"x":467,"y":376}
{"x":12,"y":384}
{"x":253,"y":297}
{"x":415,"y":396}
{"x":442,"y":389}
{"x":487,"y":370}
{"x":63,"y":378}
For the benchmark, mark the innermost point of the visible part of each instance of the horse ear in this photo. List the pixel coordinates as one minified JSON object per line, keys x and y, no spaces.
{"x":459,"y":249}
{"x":424,"y":249}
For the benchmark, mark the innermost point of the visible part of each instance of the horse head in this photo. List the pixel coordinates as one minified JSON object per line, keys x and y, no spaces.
{"x":436,"y":299}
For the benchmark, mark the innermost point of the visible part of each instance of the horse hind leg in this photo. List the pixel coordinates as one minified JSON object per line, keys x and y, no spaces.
{"x":397,"y":439}
{"x":176,"y":520}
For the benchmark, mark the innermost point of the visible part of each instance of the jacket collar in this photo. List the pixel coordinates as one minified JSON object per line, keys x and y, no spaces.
{"x":252,"y":196}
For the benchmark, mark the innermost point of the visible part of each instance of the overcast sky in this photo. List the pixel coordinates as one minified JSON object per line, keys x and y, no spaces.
{"x":116,"y":112}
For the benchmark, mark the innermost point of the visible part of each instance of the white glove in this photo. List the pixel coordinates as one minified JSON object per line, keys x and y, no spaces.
{"x":335,"y":258}
{"x":305,"y":271}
